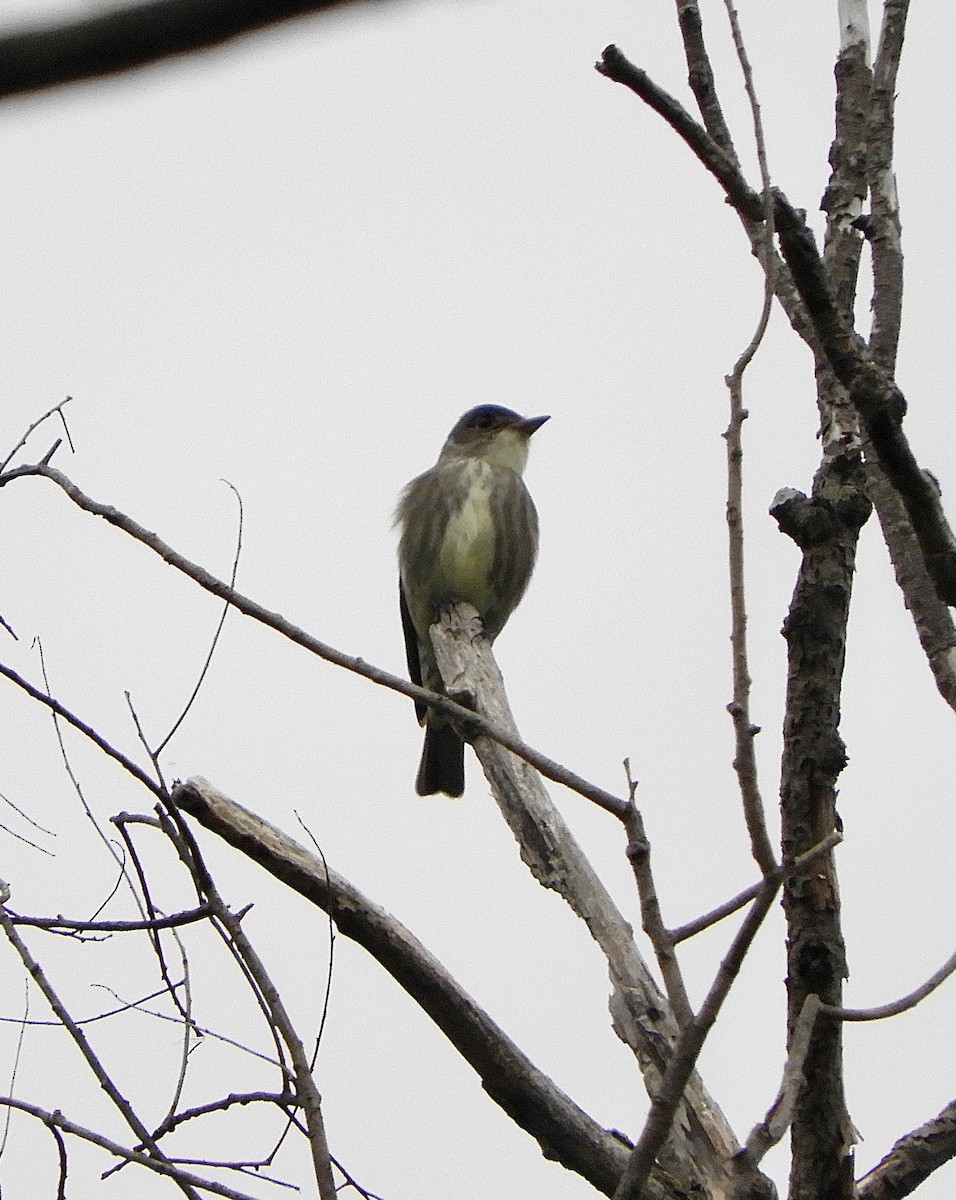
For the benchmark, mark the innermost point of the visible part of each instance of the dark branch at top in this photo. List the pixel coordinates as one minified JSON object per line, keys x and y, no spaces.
{"x":877,"y":398}
{"x":744,"y":199}
{"x":124,"y":38}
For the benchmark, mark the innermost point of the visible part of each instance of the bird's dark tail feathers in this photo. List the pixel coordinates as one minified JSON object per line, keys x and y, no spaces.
{"x":442,"y":768}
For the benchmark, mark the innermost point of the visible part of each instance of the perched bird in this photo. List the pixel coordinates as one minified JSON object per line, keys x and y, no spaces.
{"x":469,"y":532}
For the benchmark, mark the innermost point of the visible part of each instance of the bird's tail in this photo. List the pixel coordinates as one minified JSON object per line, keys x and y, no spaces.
{"x":442,"y":768}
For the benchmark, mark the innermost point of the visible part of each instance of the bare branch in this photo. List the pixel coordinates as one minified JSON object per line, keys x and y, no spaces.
{"x":548,"y":767}
{"x":613,"y":65}
{"x":895,"y":1007}
{"x":55,"y":706}
{"x":681,"y":1063}
{"x":782,"y":874}
{"x":913,"y":1159}
{"x":745,"y":732}
{"x":639,"y":856}
{"x":780,"y":1114}
{"x":556,"y":860}
{"x":186,"y":1179}
{"x":882,"y":228}
{"x":827,"y":529}
{"x":55,"y":924}
{"x":565,"y":1132}
{"x":83,"y":1044}
{"x":701,"y":75}
{"x":134,"y":35}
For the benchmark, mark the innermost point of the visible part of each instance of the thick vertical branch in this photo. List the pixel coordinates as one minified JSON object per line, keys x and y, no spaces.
{"x":846,"y":190}
{"x":826,"y":527}
{"x":700,"y":75}
{"x":883,"y":229}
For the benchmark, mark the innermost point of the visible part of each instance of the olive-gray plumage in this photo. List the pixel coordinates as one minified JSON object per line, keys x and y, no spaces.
{"x":469,"y":532}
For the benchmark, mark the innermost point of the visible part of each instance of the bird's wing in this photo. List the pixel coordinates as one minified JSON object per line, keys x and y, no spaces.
{"x":516,"y":548}
{"x":411,"y":648}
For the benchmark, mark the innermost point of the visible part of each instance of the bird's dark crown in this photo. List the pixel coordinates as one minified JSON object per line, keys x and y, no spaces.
{"x":484,"y":419}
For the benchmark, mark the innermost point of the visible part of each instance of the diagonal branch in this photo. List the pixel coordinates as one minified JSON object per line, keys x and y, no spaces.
{"x":216,"y":587}
{"x":57,"y":1122}
{"x":687,"y":1050}
{"x":725,"y":169}
{"x":134,"y":35}
{"x":82,"y":1043}
{"x":642,"y":1017}
{"x":564,"y":1131}
{"x":913,"y":1159}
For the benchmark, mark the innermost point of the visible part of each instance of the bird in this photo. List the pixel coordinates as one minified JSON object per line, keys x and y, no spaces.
{"x":468,"y":532}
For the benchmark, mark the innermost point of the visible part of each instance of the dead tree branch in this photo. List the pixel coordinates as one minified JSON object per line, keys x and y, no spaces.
{"x":565,"y":1132}
{"x":913,"y":1159}
{"x":217,"y":587}
{"x":642,"y":1016}
{"x":135,"y":35}
{"x":56,"y":1121}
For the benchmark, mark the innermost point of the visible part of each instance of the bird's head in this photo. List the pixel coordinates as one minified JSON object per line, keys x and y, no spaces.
{"x":497,"y":435}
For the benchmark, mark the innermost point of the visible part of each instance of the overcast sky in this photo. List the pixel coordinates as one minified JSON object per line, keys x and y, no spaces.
{"x":292,"y":264}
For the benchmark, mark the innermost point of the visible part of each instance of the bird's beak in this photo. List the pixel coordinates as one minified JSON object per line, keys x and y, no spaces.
{"x":527,"y":425}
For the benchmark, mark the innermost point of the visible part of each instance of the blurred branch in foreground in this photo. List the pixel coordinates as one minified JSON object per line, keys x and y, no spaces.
{"x":121,"y":39}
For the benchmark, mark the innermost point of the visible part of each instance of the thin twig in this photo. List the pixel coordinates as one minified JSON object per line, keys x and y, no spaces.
{"x":185,"y":1179}
{"x":215,"y":637}
{"x":57,"y":408}
{"x":307,"y":1094}
{"x":144,"y":741}
{"x":200,"y":1030}
{"x":155,"y":941}
{"x":53,"y":924}
{"x":729,"y":907}
{"x":687,"y":1049}
{"x":745,"y":732}
{"x":895,"y":1007}
{"x":171,"y":1122}
{"x":55,"y":706}
{"x":83,"y":1045}
{"x":22,"y":1022}
{"x":327,"y":995}
{"x":639,"y":856}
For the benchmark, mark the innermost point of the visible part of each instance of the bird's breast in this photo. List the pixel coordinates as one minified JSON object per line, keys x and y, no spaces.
{"x":467,"y":553}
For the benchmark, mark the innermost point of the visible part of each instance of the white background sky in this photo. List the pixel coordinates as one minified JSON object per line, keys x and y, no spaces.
{"x":292,"y":264}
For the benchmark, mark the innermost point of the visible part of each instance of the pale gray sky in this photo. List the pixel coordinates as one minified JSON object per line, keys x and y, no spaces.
{"x":292,"y":264}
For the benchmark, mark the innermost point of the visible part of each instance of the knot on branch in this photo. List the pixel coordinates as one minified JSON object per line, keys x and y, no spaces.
{"x":878,"y":400}
{"x":811,"y":522}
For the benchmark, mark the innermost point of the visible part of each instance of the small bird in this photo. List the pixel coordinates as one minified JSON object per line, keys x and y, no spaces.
{"x":469,"y":532}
